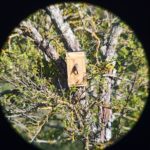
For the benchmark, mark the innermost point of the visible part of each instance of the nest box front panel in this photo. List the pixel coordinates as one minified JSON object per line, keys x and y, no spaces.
{"x":76,"y":69}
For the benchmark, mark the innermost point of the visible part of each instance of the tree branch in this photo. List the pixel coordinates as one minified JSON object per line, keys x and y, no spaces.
{"x":14,"y":91}
{"x":105,"y":114}
{"x":72,"y":44}
{"x":29,"y":30}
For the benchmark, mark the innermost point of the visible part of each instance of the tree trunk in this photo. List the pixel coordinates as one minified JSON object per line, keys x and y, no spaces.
{"x":105,"y":111}
{"x":72,"y":44}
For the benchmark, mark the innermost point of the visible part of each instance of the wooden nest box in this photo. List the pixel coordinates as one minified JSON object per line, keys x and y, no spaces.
{"x":76,"y":69}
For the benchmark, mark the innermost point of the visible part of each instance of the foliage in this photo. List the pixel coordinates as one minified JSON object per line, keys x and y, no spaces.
{"x":45,"y":115}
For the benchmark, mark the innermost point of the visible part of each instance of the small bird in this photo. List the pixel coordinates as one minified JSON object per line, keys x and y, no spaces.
{"x":75,"y":69}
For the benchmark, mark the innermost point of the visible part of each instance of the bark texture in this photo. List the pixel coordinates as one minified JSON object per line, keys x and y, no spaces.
{"x":71,"y":43}
{"x":105,"y":111}
{"x":27,"y":29}
{"x":103,"y":131}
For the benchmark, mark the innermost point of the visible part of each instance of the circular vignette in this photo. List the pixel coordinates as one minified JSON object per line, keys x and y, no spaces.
{"x":145,"y":107}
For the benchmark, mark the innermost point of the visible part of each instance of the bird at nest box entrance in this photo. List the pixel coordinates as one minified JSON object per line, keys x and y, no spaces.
{"x":76,"y":69}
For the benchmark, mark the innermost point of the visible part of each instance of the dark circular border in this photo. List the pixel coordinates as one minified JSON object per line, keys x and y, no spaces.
{"x":135,"y":14}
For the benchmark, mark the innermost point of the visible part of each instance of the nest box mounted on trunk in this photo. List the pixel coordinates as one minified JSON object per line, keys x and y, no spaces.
{"x":76,"y":69}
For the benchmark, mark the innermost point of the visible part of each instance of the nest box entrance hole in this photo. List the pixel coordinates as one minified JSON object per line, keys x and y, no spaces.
{"x":76,"y":69}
